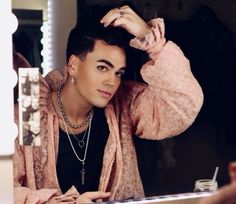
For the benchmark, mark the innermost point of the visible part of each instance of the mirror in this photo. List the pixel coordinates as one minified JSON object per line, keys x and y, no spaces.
{"x":206,"y":34}
{"x":28,"y":36}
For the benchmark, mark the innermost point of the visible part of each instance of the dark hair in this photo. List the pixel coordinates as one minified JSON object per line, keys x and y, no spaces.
{"x":82,"y":37}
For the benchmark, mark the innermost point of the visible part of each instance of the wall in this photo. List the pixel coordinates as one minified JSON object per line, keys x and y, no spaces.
{"x":32,"y":4}
{"x":64,"y":16}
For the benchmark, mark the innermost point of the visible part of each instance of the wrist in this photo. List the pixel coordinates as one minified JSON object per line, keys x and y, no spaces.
{"x":145,"y":31}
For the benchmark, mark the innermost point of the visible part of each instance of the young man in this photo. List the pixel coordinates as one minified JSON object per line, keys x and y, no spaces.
{"x":89,"y":115}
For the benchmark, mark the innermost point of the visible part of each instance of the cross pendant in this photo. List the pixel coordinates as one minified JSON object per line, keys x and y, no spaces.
{"x":83,"y":175}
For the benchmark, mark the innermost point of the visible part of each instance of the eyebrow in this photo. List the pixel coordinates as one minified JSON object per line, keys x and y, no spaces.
{"x":108,"y":63}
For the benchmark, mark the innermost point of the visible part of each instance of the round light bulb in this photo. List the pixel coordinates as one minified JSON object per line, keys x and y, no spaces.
{"x":13,"y":23}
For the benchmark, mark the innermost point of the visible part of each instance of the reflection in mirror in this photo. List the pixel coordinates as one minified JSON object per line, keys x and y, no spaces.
{"x":207,"y":38}
{"x":27,"y":38}
{"x":206,"y":34}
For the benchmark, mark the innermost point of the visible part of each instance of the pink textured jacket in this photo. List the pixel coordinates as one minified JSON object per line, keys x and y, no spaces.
{"x":164,"y":107}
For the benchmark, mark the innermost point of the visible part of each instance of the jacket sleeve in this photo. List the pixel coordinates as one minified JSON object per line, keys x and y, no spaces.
{"x":172,"y":98}
{"x":25,"y":187}
{"x":25,"y":190}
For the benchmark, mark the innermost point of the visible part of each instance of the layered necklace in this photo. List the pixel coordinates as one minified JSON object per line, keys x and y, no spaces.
{"x":81,"y":143}
{"x":64,"y":115}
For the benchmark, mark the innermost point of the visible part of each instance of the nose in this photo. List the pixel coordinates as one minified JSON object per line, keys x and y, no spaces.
{"x":110,"y":80}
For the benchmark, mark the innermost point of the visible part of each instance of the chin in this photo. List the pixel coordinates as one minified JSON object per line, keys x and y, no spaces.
{"x":100,"y":105}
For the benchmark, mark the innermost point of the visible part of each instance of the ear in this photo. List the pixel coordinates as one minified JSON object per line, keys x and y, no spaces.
{"x":72,"y":64}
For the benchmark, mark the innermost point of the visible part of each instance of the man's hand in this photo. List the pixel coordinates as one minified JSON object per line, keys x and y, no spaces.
{"x":89,"y":197}
{"x":126,"y":18}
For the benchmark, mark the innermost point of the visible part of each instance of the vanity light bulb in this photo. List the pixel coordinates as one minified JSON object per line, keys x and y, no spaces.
{"x":13,"y":23}
{"x":13,"y":77}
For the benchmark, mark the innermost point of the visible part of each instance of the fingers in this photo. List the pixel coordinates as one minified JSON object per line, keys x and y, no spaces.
{"x":116,"y":14}
{"x":126,"y":18}
{"x":97,"y":195}
{"x":88,"y":197}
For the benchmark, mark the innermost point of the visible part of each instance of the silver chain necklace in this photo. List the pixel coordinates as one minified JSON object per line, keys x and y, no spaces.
{"x":64,"y":115}
{"x":83,"y":172}
{"x":81,"y":142}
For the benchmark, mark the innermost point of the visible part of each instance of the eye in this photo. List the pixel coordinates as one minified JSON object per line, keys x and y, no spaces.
{"x":102,"y":68}
{"x":120,"y":73}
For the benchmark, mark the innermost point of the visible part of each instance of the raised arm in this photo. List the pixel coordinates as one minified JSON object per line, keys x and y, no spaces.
{"x":172,"y":98}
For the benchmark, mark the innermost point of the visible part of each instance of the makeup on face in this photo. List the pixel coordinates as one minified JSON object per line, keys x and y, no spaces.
{"x":99,"y":74}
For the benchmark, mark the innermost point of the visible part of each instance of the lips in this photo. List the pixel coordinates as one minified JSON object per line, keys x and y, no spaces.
{"x":105,"y":94}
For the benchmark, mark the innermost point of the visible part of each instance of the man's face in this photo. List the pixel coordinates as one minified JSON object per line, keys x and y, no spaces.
{"x":98,"y":76}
